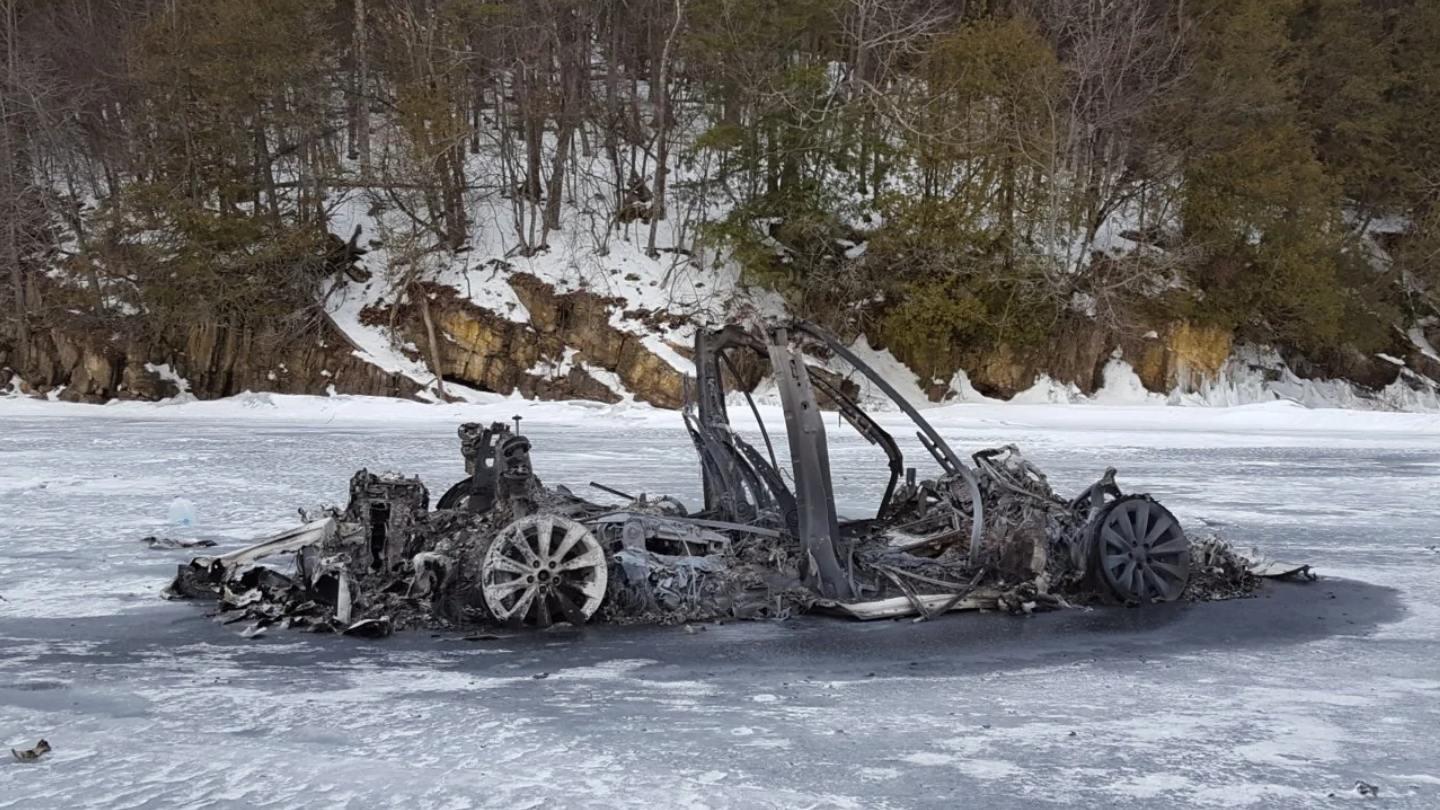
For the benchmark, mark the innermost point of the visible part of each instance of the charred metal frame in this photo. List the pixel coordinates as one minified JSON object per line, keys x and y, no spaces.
{"x":509,"y":550}
{"x":741,"y":485}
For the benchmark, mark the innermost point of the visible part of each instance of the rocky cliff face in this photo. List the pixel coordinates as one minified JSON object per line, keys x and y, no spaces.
{"x":92,"y":362}
{"x":568,"y":349}
{"x":581,"y":345}
{"x":1174,"y":355}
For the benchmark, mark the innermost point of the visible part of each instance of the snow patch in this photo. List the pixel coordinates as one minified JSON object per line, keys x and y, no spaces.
{"x":895,"y":373}
{"x":1122,"y":386}
{"x":1049,"y":391}
{"x":929,"y":758}
{"x":963,"y":391}
{"x":164,"y":372}
{"x":554,"y":370}
{"x":372,"y":343}
{"x":1417,"y":337}
{"x":1256,"y":374}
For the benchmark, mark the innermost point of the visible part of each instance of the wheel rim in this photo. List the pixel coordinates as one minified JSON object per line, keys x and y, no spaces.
{"x":1143,"y":554}
{"x":543,"y":569}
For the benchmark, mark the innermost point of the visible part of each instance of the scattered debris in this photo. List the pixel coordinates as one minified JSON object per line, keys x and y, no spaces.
{"x":502,"y":549}
{"x":31,"y":754}
{"x":164,"y":543}
{"x":484,"y":637}
{"x":371,"y":628}
{"x":1273,"y":569}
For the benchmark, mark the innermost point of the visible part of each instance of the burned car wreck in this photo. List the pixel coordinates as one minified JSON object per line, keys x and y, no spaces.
{"x":502,"y":549}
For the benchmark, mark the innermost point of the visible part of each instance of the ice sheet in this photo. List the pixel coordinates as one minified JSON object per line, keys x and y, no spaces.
{"x":1274,"y":703}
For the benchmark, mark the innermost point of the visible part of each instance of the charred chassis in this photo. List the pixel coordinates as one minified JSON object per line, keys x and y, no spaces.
{"x":503,"y":549}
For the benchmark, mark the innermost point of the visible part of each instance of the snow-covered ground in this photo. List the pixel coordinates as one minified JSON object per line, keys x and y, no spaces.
{"x":1279,"y":701}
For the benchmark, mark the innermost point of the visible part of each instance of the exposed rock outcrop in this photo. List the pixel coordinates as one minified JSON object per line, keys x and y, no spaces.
{"x":1175,"y":355}
{"x":581,"y":345}
{"x":89,"y":361}
{"x":569,"y":340}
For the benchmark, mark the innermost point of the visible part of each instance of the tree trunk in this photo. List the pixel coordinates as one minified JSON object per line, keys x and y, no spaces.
{"x":574,"y":72}
{"x":361,"y":108}
{"x":267,"y":169}
{"x":435,"y":367}
{"x":612,"y":112}
{"x":662,"y":112}
{"x":456,"y":227}
{"x":12,"y":183}
{"x":555,"y":191}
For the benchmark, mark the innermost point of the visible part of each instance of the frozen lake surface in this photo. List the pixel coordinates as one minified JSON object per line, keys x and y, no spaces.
{"x":1276,"y":701}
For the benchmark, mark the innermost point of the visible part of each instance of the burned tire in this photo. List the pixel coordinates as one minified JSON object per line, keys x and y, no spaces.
{"x":541,"y":569}
{"x":454,"y":497}
{"x":1139,"y":550}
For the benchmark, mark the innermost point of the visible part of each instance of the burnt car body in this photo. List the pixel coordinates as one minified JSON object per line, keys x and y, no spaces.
{"x":501,"y":548}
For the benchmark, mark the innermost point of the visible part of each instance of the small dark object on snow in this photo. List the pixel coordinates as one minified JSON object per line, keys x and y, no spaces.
{"x":501,"y":549}
{"x":166,"y":543}
{"x":1365,"y":790}
{"x":31,"y":754}
{"x":371,"y":628}
{"x":484,"y":637}
{"x":196,"y":579}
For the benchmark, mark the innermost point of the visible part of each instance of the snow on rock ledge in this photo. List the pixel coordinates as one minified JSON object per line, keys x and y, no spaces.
{"x":568,"y":348}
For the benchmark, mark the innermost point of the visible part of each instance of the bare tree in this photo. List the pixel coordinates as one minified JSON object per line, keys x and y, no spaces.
{"x":571,"y":34}
{"x":1118,"y":59}
{"x":13,"y":171}
{"x":27,"y":96}
{"x":360,"y":91}
{"x":661,"y":90}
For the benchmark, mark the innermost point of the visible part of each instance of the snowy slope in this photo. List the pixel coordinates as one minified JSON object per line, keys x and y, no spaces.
{"x":583,"y":255}
{"x":705,"y":289}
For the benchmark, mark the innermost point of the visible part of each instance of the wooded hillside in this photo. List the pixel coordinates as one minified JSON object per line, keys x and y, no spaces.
{"x":933,"y":174}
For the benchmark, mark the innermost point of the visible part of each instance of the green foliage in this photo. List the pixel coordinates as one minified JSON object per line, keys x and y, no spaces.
{"x":722,"y":136}
{"x":1415,"y":98}
{"x":1258,"y":204}
{"x":214,"y":71}
{"x":191,"y":263}
{"x":1417,"y":261}
{"x":931,"y":318}
{"x":986,"y":89}
{"x":951,"y":282}
{"x":203,"y":232}
{"x":1345,"y":76}
{"x":795,"y":248}
{"x":784,"y":138}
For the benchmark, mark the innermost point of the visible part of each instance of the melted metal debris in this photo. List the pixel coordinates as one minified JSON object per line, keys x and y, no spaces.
{"x":166,"y":543}
{"x":501,"y":548}
{"x":31,"y":754}
{"x":386,"y":562}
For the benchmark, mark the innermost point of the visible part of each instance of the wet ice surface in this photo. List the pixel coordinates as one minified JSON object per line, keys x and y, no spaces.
{"x":1280,"y":700}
